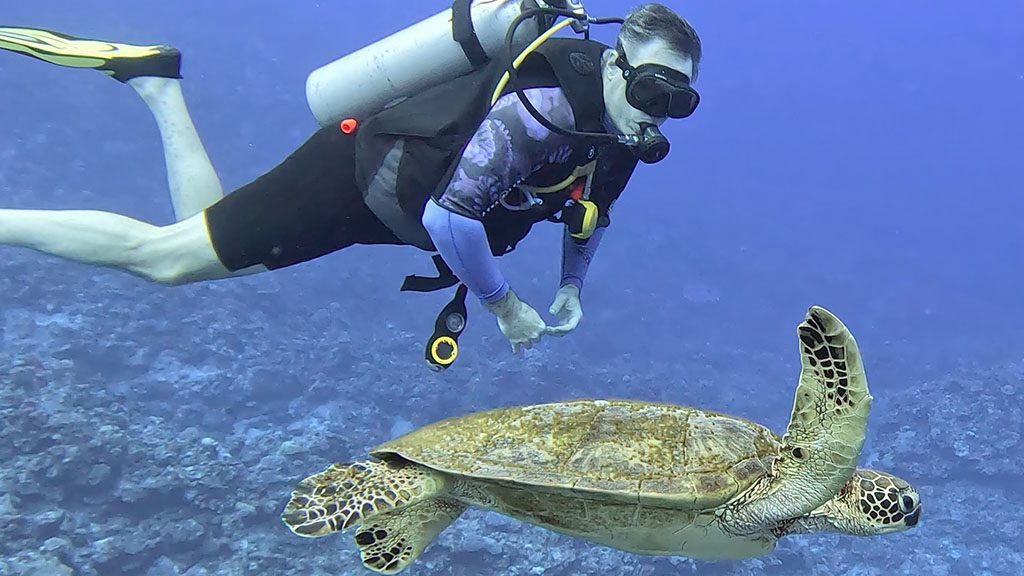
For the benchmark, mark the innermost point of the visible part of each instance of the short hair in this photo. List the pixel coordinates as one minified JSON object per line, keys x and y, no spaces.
{"x":659,"y":21}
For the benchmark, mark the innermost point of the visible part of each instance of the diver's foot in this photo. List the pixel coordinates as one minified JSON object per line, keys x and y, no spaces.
{"x":120,"y":61}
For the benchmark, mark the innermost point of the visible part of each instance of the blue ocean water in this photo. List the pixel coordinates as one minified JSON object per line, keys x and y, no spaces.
{"x":865,"y":157}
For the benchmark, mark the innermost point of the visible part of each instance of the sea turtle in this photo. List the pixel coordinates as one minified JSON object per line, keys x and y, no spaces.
{"x":641,"y":477}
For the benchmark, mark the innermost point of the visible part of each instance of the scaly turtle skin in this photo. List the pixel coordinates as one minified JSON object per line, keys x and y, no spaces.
{"x":641,"y":477}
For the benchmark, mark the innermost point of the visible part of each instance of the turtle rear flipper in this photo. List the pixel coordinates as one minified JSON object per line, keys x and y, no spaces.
{"x":392,"y":541}
{"x":345,"y":495}
{"x":826,"y":431}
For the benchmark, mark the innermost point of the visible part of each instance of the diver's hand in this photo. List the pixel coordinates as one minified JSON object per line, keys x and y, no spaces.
{"x":518,"y":321}
{"x":568,"y":309}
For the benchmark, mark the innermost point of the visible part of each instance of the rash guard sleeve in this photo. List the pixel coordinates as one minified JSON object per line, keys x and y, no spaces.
{"x":576,"y":257}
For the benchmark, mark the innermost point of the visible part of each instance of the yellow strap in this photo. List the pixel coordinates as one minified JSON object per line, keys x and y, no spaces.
{"x":522,"y":56}
{"x":589,"y":223}
{"x":579,"y":172}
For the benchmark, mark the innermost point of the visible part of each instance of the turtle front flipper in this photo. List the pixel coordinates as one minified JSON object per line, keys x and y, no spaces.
{"x":392,"y":541}
{"x":822,"y":444}
{"x":346,"y":495}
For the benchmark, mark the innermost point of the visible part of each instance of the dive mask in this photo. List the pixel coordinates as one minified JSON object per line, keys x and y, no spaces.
{"x":657,"y":90}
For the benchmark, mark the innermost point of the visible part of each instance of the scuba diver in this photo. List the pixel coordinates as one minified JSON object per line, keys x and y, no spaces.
{"x":460,"y":165}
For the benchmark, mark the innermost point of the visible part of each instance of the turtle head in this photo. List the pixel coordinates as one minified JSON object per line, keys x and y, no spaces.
{"x":885,"y":503}
{"x":871,"y":503}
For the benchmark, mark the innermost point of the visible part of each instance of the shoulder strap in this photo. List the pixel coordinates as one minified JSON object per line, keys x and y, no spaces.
{"x":576,"y":63}
{"x":464,"y":33}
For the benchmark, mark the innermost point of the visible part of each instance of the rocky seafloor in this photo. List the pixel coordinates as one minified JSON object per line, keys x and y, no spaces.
{"x":157,"y":432}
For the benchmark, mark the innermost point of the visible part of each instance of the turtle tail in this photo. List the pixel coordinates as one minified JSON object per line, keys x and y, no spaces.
{"x":346,"y":495}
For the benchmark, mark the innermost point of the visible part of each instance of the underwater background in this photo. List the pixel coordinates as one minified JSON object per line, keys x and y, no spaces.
{"x":865,"y":157}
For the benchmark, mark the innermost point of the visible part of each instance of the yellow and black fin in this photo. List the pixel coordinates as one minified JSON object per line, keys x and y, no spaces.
{"x":121,"y":61}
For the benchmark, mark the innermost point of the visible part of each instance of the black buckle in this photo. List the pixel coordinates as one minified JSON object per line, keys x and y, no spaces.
{"x":445,"y":279}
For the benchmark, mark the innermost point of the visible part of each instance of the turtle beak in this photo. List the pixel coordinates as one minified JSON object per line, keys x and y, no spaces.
{"x":911,"y":519}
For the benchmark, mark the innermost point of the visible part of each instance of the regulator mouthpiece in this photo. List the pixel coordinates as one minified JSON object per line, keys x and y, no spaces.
{"x":651,"y":146}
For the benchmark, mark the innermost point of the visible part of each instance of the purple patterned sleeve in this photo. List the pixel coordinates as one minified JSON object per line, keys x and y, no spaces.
{"x":508,"y":147}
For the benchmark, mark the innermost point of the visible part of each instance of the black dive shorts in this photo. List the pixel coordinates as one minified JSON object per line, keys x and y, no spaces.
{"x":307,"y":206}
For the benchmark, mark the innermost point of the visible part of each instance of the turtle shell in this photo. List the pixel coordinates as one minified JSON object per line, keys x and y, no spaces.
{"x":656,"y":454}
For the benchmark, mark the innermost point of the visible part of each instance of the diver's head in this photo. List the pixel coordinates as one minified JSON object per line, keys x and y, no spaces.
{"x":647,"y":76}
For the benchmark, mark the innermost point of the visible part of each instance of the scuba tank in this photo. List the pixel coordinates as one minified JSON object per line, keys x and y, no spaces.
{"x":442,"y":47}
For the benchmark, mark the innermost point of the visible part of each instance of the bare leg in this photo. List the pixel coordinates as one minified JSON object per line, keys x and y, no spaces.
{"x":176,"y":254}
{"x":193,"y":182}
{"x":152,"y":72}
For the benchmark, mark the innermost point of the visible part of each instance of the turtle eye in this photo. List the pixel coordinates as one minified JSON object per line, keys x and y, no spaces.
{"x":908,"y":504}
